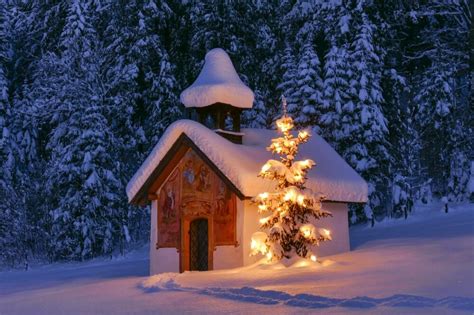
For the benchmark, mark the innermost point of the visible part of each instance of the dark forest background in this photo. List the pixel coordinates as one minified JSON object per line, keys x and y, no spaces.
{"x":88,"y":86}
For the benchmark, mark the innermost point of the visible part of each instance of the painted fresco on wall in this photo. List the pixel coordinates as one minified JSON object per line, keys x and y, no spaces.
{"x":195,"y":190}
{"x":168,"y":217}
{"x":224,"y":215}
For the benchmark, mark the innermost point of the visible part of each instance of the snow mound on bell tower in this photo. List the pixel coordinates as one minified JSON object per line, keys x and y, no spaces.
{"x":218,"y":82}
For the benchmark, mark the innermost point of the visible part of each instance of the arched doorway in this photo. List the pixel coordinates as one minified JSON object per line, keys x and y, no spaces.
{"x":199,"y":245}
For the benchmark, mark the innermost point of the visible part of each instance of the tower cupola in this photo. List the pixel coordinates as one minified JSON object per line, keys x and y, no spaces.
{"x":218,"y":96}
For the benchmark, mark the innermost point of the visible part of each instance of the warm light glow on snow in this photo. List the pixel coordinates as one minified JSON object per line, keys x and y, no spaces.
{"x":266,"y":167}
{"x":284,"y":125}
{"x":308,"y":230}
{"x":306,"y":163}
{"x":306,"y":233}
{"x":303,"y":135}
{"x":258,"y":243}
{"x":313,"y":258}
{"x":253,"y":244}
{"x":290,"y":195}
{"x":264,"y":220}
{"x":326,"y":233}
{"x":269,"y":255}
{"x":300,"y":200}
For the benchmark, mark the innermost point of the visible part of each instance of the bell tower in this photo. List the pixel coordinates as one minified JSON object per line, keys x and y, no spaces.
{"x":218,"y":96}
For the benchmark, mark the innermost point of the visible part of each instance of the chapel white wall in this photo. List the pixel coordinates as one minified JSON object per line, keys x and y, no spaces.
{"x":338,"y":224}
{"x":251,"y":225}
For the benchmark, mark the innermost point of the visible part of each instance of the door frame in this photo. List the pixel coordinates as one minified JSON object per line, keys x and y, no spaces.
{"x":185,"y":241}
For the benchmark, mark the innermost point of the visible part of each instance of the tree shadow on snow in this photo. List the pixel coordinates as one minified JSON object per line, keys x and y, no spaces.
{"x":309,"y":301}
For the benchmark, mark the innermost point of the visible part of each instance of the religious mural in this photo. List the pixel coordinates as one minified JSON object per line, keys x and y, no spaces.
{"x":192,"y":190}
{"x":224,"y":215}
{"x":168,"y":217}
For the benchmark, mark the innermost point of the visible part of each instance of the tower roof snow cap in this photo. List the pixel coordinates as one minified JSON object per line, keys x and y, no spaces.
{"x":218,"y":82}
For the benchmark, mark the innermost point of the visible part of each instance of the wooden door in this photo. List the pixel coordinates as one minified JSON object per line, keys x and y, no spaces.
{"x":197,"y":243}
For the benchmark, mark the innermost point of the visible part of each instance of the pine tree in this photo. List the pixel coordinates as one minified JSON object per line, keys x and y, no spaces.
{"x":287,"y":86}
{"x":257,"y":117}
{"x":308,"y":88}
{"x":267,"y":28}
{"x":459,"y":166}
{"x":227,"y":25}
{"x":364,"y":125}
{"x":404,"y":143}
{"x":84,"y":192}
{"x":435,"y":102}
{"x":11,"y":211}
{"x":142,"y":76}
{"x":438,"y":63}
{"x":291,"y":206}
{"x":336,"y":94}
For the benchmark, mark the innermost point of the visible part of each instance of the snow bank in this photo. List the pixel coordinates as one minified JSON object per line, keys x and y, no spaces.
{"x":241,"y":164}
{"x":419,"y":268}
{"x":218,"y":82}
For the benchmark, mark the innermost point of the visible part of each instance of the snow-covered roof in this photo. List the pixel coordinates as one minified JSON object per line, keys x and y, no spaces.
{"x":241,"y":163}
{"x":218,"y":82}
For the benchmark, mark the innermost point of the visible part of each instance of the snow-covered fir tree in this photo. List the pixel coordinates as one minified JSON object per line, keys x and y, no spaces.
{"x":86,"y":218}
{"x":404,"y":142}
{"x":336,"y":97}
{"x":12,"y":214}
{"x":364,"y":126}
{"x":435,"y":101}
{"x":307,"y":97}
{"x":265,"y":32}
{"x":437,"y":62}
{"x":141,"y":77}
{"x":287,"y":84}
{"x":287,"y":228}
{"x":459,"y":166}
{"x":222,"y":24}
{"x":258,"y":116}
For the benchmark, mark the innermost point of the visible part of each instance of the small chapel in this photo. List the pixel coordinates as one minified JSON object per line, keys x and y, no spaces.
{"x":201,"y":176}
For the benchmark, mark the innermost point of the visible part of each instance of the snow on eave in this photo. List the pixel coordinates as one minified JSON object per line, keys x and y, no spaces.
{"x":218,"y":82}
{"x":240,"y":164}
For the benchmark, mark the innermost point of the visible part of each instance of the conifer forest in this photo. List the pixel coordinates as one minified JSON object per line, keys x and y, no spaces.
{"x":87,"y":87}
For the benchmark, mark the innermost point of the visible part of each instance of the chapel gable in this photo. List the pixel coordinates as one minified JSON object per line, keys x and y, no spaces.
{"x":194,"y":190}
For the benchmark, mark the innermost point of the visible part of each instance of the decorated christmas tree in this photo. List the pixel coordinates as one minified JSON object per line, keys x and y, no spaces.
{"x":288,"y":230}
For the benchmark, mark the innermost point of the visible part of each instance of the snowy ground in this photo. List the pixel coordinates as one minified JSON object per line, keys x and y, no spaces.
{"x":422,"y":266}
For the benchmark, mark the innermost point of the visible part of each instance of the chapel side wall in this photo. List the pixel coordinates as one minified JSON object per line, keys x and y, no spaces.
{"x":337,"y":224}
{"x":226,"y":257}
{"x":251,"y":225}
{"x":163,"y":259}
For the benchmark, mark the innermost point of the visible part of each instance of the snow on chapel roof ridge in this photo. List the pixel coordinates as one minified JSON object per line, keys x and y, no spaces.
{"x":218,"y":82}
{"x":241,"y":164}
